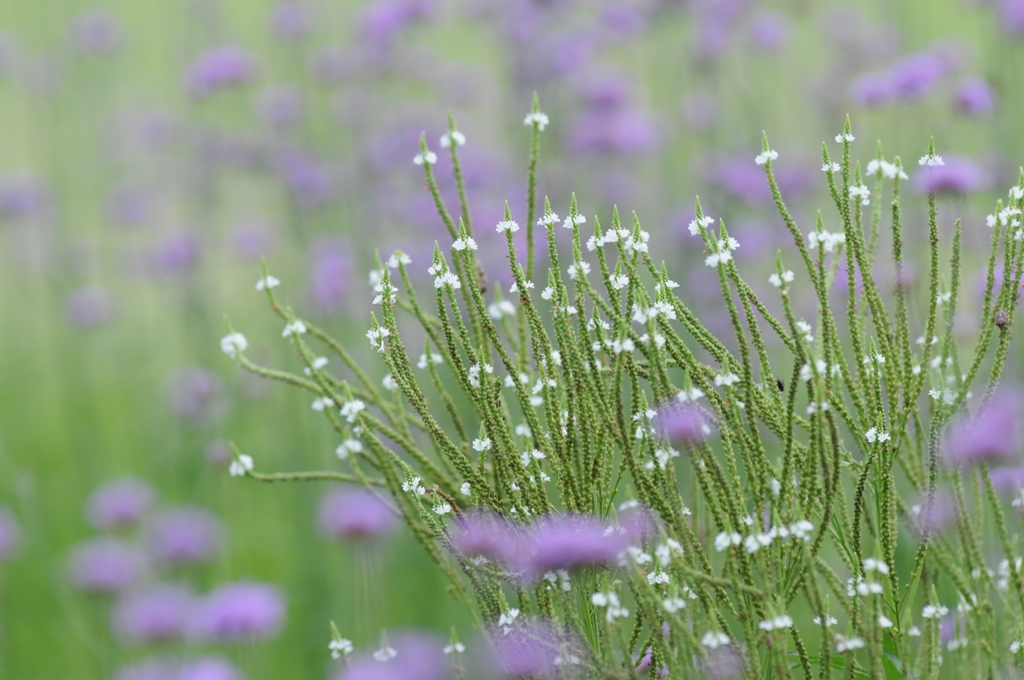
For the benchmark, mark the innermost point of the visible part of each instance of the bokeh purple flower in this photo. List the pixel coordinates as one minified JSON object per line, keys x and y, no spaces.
{"x":238,"y":611}
{"x":355,"y":513}
{"x":219,"y":69}
{"x":957,"y":176}
{"x":250,"y":241}
{"x":916,"y":75}
{"x":119,"y":503}
{"x":279,"y":106}
{"x":567,"y":542}
{"x":532,"y":648}
{"x":682,"y":423}
{"x":990,"y":435}
{"x":23,"y":196}
{"x":157,"y":614}
{"x":175,"y":254}
{"x":418,"y":656}
{"x":290,"y":20}
{"x":10,"y":535}
{"x":209,"y":668}
{"x":98,"y":31}
{"x":872,"y":89}
{"x":975,"y":97}
{"x":105,"y":565}
{"x":329,"y":275}
{"x":185,"y":535}
{"x":485,"y":535}
{"x":769,"y":31}
{"x":196,"y":394}
{"x":90,"y":307}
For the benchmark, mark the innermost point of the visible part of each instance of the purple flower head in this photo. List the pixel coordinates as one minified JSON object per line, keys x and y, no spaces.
{"x":219,"y":453}
{"x":355,"y":513}
{"x":10,"y":535}
{"x":279,"y":106}
{"x":97,"y":31}
{"x":682,"y":423}
{"x":128,"y":206}
{"x":1011,"y":15}
{"x":769,"y":31}
{"x":1007,"y":479}
{"x":218,"y":69}
{"x":328,"y":283}
{"x":975,"y":97}
{"x":957,"y":176}
{"x":310,"y":181}
{"x":150,"y":669}
{"x":623,"y":18}
{"x":23,"y":196}
{"x":185,"y":535}
{"x":331,"y":65}
{"x":916,"y":75}
{"x":155,"y":615}
{"x":290,"y":20}
{"x":251,"y":241}
{"x":723,"y":663}
{"x":119,"y":503}
{"x":870,"y":90}
{"x":638,"y":523}
{"x":991,"y":434}
{"x":619,"y":131}
{"x":567,"y":542}
{"x":243,"y":610}
{"x":532,"y":649}
{"x":643,"y":665}
{"x":105,"y":565}
{"x":478,"y":534}
{"x":175,"y":254}
{"x":90,"y":307}
{"x":196,"y":394}
{"x":209,"y":668}
{"x":382,"y":21}
{"x":943,"y":513}
{"x":418,"y":656}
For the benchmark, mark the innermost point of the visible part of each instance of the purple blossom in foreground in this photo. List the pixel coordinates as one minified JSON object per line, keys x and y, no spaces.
{"x":355,"y":513}
{"x":956,"y":176}
{"x":417,"y":656}
{"x":682,"y":423}
{"x":150,"y":669}
{"x":1008,"y":479}
{"x":119,"y":503}
{"x":10,"y":534}
{"x":279,"y":106}
{"x":532,"y":649}
{"x":98,"y":31}
{"x":186,"y":535}
{"x":485,"y":535}
{"x":975,"y":97}
{"x":209,"y":668}
{"x":196,"y":394}
{"x":990,"y":435}
{"x":105,"y":565}
{"x":218,"y":69}
{"x":155,"y":615}
{"x":243,"y":610}
{"x":1011,"y":15}
{"x":290,"y":20}
{"x":566,"y":542}
{"x":90,"y":307}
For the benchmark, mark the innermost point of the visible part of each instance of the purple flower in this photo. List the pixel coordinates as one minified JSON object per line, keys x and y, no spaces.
{"x":769,"y":31}
{"x":1007,"y":478}
{"x":150,"y":669}
{"x":682,"y":423}
{"x":23,"y":196}
{"x":279,"y":106}
{"x":311,"y":181}
{"x":175,"y":254}
{"x":290,"y":20}
{"x":916,"y":75}
{"x":331,"y":65}
{"x":251,"y":241}
{"x":243,"y":610}
{"x":486,"y":535}
{"x":155,"y":615}
{"x":355,"y":513}
{"x":209,"y":668}
{"x":873,"y":89}
{"x":219,"y":453}
{"x":957,"y":176}
{"x":975,"y":97}
{"x":943,"y":513}
{"x":90,"y":307}
{"x":105,"y":565}
{"x":185,"y":535}
{"x":621,"y":131}
{"x":991,"y":434}
{"x":418,"y":656}
{"x":98,"y":31}
{"x":196,"y":394}
{"x":219,"y":69}
{"x":382,"y":21}
{"x":1011,"y":14}
{"x":10,"y":534}
{"x":623,"y":18}
{"x":531,"y":649}
{"x":328,"y":283}
{"x":119,"y":503}
{"x":127,"y":205}
{"x":566,"y":542}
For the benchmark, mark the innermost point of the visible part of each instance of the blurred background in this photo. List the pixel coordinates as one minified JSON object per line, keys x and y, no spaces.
{"x":152,"y":152}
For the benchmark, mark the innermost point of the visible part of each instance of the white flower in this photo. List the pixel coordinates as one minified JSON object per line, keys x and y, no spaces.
{"x":657,"y":577}
{"x":727,"y":379}
{"x":464,"y":243}
{"x":456,"y":647}
{"x":577,"y":267}
{"x":862,"y":191}
{"x":442,"y":509}
{"x":549,"y":219}
{"x":696,"y":224}
{"x":241,"y":465}
{"x":506,"y":620}
{"x":320,"y":402}
{"x":376,"y":337}
{"x":448,"y":137}
{"x":348,"y":446}
{"x":233,"y":343}
{"x":413,"y":486}
{"x":884,"y":622}
{"x":829,"y":621}
{"x":845,"y":137}
{"x":507,"y":225}
{"x":779,"y":622}
{"x":465,"y":489}
{"x":619,"y":281}
{"x":845,"y":644}
{"x":766,"y":156}
{"x":724,"y":540}
{"x":930,"y":160}
{"x":389,"y":383}
{"x":267,"y":282}
{"x":540,"y":119}
{"x":933,"y":611}
{"x":339,"y":647}
{"x":827,"y":239}
{"x":914,"y":631}
{"x":830,"y":167}
{"x":496,"y":310}
{"x":481,"y":444}
{"x":1016,"y":646}
{"x":713,"y":639}
{"x":294,"y":328}
{"x":430,"y":158}
{"x":673,"y":604}
{"x":434,"y":358}
{"x":573,"y":221}
{"x":871,"y":435}
{"x":397,"y":258}
{"x":385,"y":654}
{"x":350,"y":409}
{"x":547,"y":293}
{"x":871,"y":564}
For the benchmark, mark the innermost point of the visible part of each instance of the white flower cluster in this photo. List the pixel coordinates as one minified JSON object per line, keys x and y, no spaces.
{"x":643,"y":315}
{"x":385,"y":654}
{"x":817,"y":407}
{"x":665,"y":550}
{"x":527,"y":457}
{"x":826,"y":239}
{"x":507,"y":225}
{"x":873,"y":435}
{"x":780,"y":622}
{"x":429,"y":158}
{"x":347,"y":447}
{"x":888,"y":170}
{"x":805,"y":328}
{"x":777,"y":281}
{"x":321,"y":402}
{"x":829,"y":621}
{"x":800,"y":530}
{"x":847,"y":644}
{"x":930,"y":160}
{"x":540,"y":119}
{"x":449,"y":137}
{"x":576,"y":268}
{"x":384,"y":291}
{"x":445,"y":279}
{"x":947,"y":395}
{"x":506,"y":620}
{"x":572,"y":220}
{"x":351,"y":409}
{"x":808,"y":371}
{"x":727,"y":379}
{"x":610,"y":601}
{"x":240,"y":465}
{"x":871,"y":564}
{"x":934,"y":611}
{"x":662,"y":456}
{"x":765,"y":156}
{"x":830,"y":167}
{"x":434,"y":358}
{"x":474,"y":373}
{"x":863,"y":588}
{"x":713,"y":639}
{"x":456,"y":647}
{"x":294,"y":328}
{"x":560,"y":576}
{"x":414,"y":487}
{"x":466,"y":243}
{"x":697,"y":223}
{"x":267,"y":282}
{"x":482,"y":444}
{"x":442,"y":509}
{"x":863,"y":192}
{"x":376,"y":337}
{"x":547,"y":220}
{"x":724,"y":252}
{"x":1005,"y":216}
{"x":233,"y":343}
{"x":656,"y":577}
{"x":317,"y":364}
{"x":690,"y":395}
{"x":844,"y":137}
{"x":610,"y":236}
{"x":339,"y":647}
{"x":501,"y":308}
